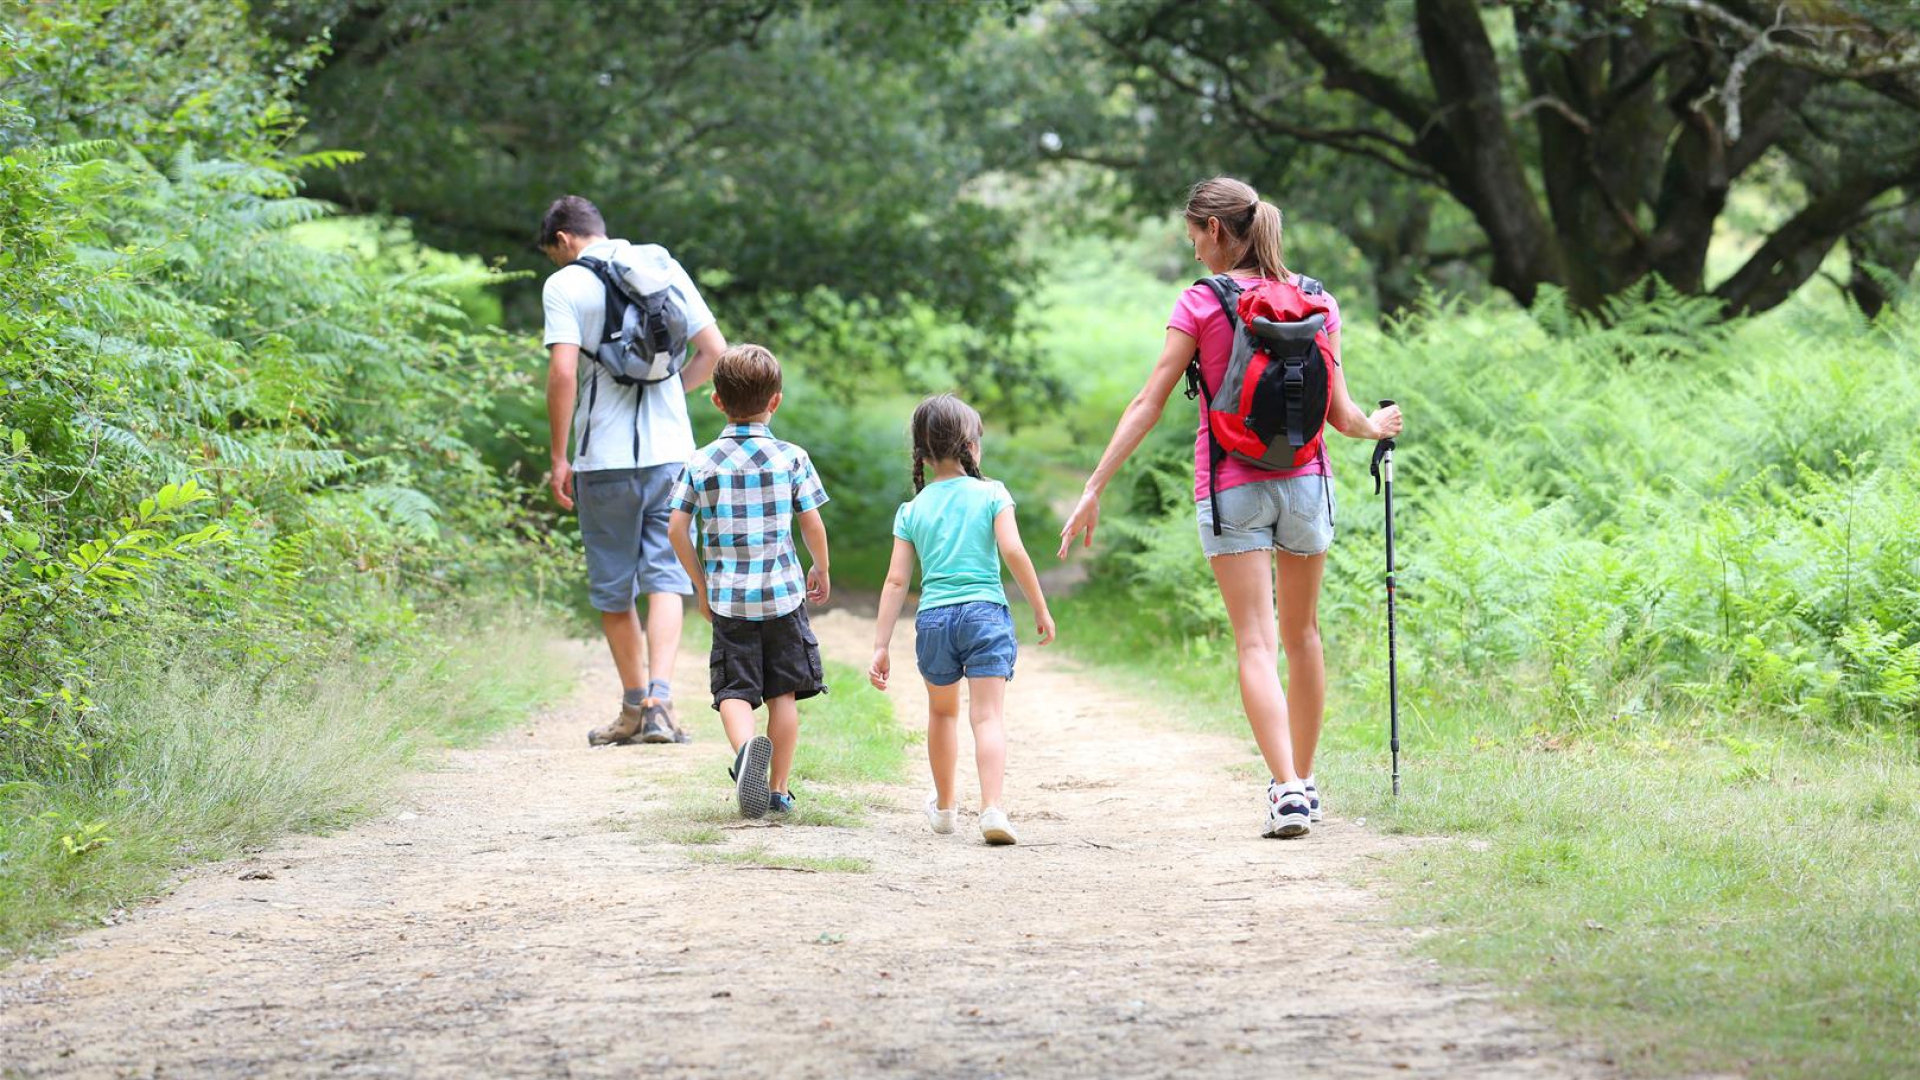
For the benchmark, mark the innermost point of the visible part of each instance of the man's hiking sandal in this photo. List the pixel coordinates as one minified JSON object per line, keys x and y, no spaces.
{"x":621,"y":731}
{"x":656,"y":723}
{"x":680,"y":734}
{"x":1288,"y":812}
{"x":749,"y":774}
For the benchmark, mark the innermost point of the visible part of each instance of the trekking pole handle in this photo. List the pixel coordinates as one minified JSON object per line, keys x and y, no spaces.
{"x":1382,"y":451}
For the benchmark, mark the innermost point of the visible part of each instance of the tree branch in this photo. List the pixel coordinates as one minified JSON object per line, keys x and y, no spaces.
{"x":1900,"y":60}
{"x":1793,"y":252}
{"x":1737,"y":73}
{"x":1548,"y":101}
{"x":1300,"y":22}
{"x":1352,"y":140}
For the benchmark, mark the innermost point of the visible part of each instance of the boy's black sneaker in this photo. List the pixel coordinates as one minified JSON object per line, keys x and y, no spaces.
{"x":749,"y":774}
{"x":781,"y":803}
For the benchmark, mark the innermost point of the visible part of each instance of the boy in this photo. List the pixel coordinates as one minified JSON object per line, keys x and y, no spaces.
{"x":747,"y":487}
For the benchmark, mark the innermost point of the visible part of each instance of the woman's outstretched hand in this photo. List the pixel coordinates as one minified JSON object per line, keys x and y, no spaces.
{"x":1086,"y":515}
{"x":1387,"y":422}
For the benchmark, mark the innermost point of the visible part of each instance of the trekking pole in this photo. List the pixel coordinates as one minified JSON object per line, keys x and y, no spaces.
{"x":1383,"y":455}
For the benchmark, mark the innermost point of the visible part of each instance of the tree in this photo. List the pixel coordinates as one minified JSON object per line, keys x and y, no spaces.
{"x":1590,"y":145}
{"x":808,"y":162}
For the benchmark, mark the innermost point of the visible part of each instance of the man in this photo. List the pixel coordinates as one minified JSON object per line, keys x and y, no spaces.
{"x":617,"y":451}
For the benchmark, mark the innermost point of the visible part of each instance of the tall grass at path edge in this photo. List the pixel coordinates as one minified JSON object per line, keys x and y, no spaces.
{"x":211,"y":758}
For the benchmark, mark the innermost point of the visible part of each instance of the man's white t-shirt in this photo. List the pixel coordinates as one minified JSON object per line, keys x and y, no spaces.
{"x":576,"y":306}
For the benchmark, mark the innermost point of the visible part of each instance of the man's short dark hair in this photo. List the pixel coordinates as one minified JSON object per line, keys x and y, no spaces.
{"x":573,"y":215}
{"x":745,"y":380}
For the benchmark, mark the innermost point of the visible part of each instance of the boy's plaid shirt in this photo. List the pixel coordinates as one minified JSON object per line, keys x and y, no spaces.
{"x":743,"y":489}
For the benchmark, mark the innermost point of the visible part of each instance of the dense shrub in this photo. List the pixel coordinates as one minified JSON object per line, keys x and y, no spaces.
{"x":207,"y":419}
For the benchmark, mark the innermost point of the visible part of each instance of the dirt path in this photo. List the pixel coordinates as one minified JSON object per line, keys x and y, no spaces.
{"x":506,"y":922}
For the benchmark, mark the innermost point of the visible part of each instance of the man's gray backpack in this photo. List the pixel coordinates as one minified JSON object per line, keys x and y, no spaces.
{"x":644,"y":337}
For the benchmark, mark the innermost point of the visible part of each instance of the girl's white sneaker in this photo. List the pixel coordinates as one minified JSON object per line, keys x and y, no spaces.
{"x":941,"y":820}
{"x":995,"y":827}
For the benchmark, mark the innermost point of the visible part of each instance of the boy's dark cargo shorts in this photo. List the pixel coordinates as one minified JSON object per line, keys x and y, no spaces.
{"x":757,"y":659}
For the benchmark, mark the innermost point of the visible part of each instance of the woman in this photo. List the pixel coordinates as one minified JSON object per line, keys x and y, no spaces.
{"x":1272,"y":523}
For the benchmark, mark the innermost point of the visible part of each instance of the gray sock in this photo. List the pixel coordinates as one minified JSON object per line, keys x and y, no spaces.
{"x":658,"y":688}
{"x":633,"y":696}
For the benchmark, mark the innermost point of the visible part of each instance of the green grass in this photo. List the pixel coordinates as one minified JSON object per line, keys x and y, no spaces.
{"x":209,"y":758}
{"x":849,"y":735}
{"x":849,"y":742}
{"x":1689,"y":894}
{"x":758,"y":856}
{"x":691,"y":834}
{"x":1739,"y":901}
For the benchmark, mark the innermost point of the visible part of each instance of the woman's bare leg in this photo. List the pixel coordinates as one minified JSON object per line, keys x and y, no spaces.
{"x":1245,"y":584}
{"x":1297,"y":584}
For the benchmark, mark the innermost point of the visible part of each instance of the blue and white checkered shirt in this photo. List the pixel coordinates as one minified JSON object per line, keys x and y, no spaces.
{"x":743,"y":489}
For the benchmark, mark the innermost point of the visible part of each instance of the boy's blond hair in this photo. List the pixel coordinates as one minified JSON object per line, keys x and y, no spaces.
{"x":745,"y":380}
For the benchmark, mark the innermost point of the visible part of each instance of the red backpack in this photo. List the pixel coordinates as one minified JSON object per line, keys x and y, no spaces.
{"x":1271,"y":408}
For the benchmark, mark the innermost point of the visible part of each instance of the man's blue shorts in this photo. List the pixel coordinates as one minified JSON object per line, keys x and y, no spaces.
{"x":973,"y":640}
{"x":623,"y":521}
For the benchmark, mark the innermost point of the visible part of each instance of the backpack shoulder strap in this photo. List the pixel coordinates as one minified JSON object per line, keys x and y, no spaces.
{"x":1311,"y":286}
{"x":616,"y":296}
{"x":1227,"y":291}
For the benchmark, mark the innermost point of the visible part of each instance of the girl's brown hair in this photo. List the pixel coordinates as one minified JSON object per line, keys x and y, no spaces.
{"x":1251,"y":223}
{"x":944,"y":429}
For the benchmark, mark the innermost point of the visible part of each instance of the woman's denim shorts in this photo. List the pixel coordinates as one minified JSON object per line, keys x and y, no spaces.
{"x":973,"y":640}
{"x":1294,"y":514}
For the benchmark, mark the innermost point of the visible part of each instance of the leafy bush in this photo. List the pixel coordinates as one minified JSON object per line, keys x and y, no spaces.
{"x":207,"y":419}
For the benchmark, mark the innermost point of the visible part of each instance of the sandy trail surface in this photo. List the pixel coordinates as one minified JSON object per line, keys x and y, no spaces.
{"x":510,"y":919}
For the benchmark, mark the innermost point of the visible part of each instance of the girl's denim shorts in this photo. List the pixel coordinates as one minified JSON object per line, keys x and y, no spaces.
{"x":972,"y":640}
{"x":1294,"y":514}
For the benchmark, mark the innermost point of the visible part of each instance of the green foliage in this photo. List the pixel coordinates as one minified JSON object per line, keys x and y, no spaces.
{"x":211,"y":425}
{"x":813,"y":165}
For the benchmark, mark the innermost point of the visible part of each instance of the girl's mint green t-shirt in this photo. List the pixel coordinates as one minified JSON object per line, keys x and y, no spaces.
{"x":950,"y":525}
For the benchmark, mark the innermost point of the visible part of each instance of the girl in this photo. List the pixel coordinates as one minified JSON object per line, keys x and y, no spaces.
{"x":959,"y":526}
{"x":1275,"y":526}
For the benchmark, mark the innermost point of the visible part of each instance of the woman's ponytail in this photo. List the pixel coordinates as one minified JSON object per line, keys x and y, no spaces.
{"x":1252,"y":224}
{"x":1263,"y":243}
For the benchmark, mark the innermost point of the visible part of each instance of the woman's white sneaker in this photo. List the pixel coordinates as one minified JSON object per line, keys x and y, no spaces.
{"x":1289,"y":814}
{"x":941,"y":820}
{"x":1313,"y":801}
{"x":995,"y":827}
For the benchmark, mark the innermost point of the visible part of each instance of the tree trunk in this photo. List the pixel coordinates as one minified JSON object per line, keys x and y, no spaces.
{"x":1487,"y":174}
{"x":1889,"y":242}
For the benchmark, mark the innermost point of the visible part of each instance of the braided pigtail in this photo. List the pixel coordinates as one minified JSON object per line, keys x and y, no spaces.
{"x":944,"y":429}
